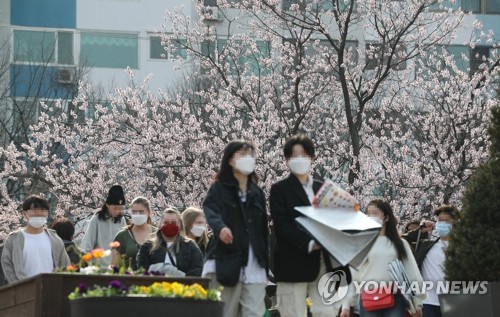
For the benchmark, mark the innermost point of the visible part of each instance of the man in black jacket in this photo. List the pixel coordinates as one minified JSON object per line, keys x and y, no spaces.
{"x":299,"y":261}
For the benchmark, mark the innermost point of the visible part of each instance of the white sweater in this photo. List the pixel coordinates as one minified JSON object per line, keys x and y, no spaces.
{"x":100,"y":233}
{"x":376,"y":265}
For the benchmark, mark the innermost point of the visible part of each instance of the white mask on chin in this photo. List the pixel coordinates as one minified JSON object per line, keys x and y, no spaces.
{"x":197,"y":230}
{"x":378,"y":220}
{"x":139,"y":219}
{"x":245,"y":164}
{"x":299,"y":165}
{"x":37,"y":222}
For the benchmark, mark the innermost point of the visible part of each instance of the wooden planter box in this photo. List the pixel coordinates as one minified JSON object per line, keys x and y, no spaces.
{"x":466,"y":305}
{"x":46,"y":295}
{"x":144,"y":306}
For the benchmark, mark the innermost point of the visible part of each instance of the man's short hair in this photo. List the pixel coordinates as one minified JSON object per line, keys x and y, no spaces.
{"x":64,"y":228}
{"x":301,"y":139}
{"x":451,"y":210}
{"x":35,"y":201}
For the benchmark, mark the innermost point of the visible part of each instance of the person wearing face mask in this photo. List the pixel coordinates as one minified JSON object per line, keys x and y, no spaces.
{"x":387,"y":247}
{"x":105,"y":224}
{"x":299,"y":261}
{"x":168,"y":251}
{"x":134,"y":235}
{"x":430,"y":254}
{"x":237,"y":255}
{"x":33,"y":249}
{"x":195,"y":227}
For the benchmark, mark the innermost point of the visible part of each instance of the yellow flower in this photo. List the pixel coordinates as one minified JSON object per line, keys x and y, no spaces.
{"x":177,"y":289}
{"x":98,"y":253}
{"x":309,"y":302}
{"x":188,"y":293}
{"x":87,"y":257}
{"x":144,"y":290}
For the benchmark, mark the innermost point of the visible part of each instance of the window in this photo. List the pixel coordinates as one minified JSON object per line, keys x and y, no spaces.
{"x":378,"y":54}
{"x":317,"y":5}
{"x":109,"y":50}
{"x":481,"y":6}
{"x":466,"y":59}
{"x":445,"y":5}
{"x":434,"y":61}
{"x":323,"y":49}
{"x":157,"y":50}
{"x":474,"y":6}
{"x":241,"y":57}
{"x":43,"y":47}
{"x":478,"y":56}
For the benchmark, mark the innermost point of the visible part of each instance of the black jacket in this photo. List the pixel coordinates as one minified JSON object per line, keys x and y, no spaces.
{"x":292,"y":262}
{"x":420,"y":246}
{"x":248,"y":222}
{"x":189,"y":259}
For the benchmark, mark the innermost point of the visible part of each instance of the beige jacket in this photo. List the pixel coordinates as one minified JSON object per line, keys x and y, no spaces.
{"x":12,"y":254}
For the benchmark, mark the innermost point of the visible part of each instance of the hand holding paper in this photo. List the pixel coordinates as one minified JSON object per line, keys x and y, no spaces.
{"x":333,"y":221}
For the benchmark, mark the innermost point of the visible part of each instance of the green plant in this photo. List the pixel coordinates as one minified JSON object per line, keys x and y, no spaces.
{"x":474,"y":250}
{"x":157,"y":289}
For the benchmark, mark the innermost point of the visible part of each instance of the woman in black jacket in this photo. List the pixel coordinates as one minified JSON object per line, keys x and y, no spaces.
{"x":169,"y":252}
{"x":237,"y":256}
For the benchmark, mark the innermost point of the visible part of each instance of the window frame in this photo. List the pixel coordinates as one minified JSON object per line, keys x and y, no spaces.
{"x":183,"y":51}
{"x":55,"y":61}
{"x":375,"y":62}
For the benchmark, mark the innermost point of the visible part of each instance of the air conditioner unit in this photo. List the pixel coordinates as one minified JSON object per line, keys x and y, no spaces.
{"x":210,"y":13}
{"x":65,"y":76}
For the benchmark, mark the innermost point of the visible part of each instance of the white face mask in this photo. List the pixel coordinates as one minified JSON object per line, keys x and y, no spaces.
{"x":197,"y":230}
{"x":378,"y":220}
{"x":299,"y":165}
{"x":245,"y":164}
{"x":139,"y":219}
{"x":37,"y":222}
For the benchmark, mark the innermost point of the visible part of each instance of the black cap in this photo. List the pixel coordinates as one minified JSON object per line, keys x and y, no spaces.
{"x":116,"y":196}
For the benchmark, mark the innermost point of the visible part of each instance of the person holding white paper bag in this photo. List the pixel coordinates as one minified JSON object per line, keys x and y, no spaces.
{"x":375,"y":269}
{"x":299,"y":261}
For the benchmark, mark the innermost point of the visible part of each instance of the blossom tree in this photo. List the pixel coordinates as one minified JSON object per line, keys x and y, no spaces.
{"x":390,"y":111}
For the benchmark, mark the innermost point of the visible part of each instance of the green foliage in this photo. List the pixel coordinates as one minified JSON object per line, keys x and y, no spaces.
{"x":494,"y":132}
{"x":474,"y":250}
{"x":157,"y":289}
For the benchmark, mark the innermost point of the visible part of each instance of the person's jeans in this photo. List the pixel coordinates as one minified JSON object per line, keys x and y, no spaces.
{"x":431,"y":310}
{"x":398,"y":310}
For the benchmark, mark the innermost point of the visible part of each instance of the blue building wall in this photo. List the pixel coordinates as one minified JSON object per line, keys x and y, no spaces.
{"x":44,"y":13}
{"x":37,"y":81}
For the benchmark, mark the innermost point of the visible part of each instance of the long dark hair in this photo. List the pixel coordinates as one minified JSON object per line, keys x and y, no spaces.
{"x":225,"y":172}
{"x":103,"y":214}
{"x":391,"y":232}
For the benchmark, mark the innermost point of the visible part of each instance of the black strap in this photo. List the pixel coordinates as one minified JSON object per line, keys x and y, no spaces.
{"x":418,"y":240}
{"x":171,"y":258}
{"x":330,"y":268}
